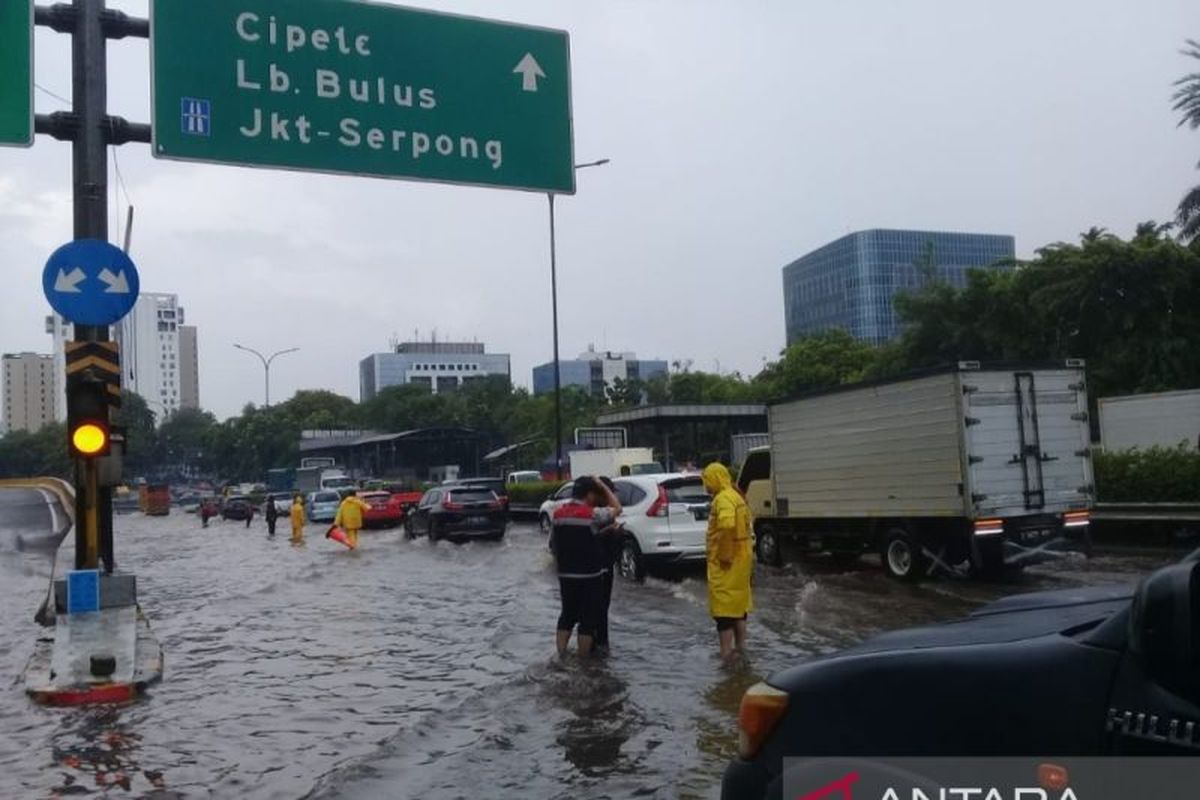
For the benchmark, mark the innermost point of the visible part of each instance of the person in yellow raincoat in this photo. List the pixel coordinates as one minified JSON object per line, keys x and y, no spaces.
{"x":297,"y":519}
{"x":350,"y":517}
{"x":730,"y":560}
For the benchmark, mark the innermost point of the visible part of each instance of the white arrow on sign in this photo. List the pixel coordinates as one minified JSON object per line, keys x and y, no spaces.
{"x":530,"y":72}
{"x":116,"y":283}
{"x":68,"y":283}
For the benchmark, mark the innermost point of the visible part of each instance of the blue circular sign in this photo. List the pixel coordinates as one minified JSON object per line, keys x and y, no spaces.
{"x":90,"y":282}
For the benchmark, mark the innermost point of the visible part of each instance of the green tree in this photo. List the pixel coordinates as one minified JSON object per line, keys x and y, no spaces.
{"x":42,"y":453}
{"x":319,"y":409}
{"x":138,"y":421}
{"x":183,"y":439}
{"x":1187,"y":103}
{"x":1131,"y":308}
{"x":815,"y":362}
{"x":625,"y":392}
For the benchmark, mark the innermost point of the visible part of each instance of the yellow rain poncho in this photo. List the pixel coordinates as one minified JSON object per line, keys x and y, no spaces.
{"x":728,"y":544}
{"x":350,"y":513}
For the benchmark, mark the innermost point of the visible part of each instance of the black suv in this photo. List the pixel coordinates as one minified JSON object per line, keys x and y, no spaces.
{"x":1095,"y":671}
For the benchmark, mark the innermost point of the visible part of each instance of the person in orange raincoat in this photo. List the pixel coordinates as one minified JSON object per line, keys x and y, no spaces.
{"x":350,"y":517}
{"x":297,"y":519}
{"x":730,"y":560}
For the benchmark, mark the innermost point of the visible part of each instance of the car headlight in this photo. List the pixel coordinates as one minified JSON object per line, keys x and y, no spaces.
{"x":762,"y":708}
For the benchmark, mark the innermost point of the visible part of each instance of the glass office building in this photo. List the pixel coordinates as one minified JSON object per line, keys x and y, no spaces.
{"x":851,"y":282}
{"x":595,"y":371}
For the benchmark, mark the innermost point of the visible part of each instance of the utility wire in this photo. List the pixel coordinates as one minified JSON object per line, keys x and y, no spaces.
{"x":57,"y":97}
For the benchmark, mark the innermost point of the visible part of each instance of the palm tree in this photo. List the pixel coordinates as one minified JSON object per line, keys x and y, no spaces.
{"x":1187,"y":103}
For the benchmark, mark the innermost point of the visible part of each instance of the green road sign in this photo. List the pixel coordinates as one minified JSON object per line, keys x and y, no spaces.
{"x":16,"y":72}
{"x":362,"y":88}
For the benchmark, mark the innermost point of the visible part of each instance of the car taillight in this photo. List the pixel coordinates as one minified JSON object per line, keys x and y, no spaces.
{"x":659,"y":507}
{"x":450,"y":505}
{"x":762,"y":708}
{"x":1077,"y":519}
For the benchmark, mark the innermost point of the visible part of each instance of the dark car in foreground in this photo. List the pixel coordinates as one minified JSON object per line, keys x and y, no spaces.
{"x":458,"y":512}
{"x":1096,"y":671}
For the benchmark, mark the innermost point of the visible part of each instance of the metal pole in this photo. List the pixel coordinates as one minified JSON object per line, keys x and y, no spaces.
{"x":89,"y":165}
{"x":266,"y":362}
{"x":558,"y":440}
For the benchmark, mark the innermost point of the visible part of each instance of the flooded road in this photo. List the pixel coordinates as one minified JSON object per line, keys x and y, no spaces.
{"x":410,"y":670}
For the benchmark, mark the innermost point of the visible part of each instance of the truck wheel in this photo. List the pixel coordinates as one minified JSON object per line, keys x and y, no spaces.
{"x":901,"y":556}
{"x":630,"y":564}
{"x":767,"y":548}
{"x":545,"y":524}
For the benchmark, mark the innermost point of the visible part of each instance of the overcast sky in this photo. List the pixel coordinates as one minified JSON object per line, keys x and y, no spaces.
{"x":742,"y":134}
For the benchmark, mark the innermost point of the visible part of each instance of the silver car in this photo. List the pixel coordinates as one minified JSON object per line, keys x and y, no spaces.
{"x":322,"y":506}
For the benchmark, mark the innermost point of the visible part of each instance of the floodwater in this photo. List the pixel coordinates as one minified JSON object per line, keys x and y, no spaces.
{"x":407,"y":670}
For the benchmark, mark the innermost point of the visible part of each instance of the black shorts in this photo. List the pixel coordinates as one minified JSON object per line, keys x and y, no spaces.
{"x":727,"y":623}
{"x":582,"y":604}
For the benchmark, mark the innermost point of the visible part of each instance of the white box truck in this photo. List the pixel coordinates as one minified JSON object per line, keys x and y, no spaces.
{"x":614,"y":462}
{"x":965,"y":471}
{"x":1142,"y":421}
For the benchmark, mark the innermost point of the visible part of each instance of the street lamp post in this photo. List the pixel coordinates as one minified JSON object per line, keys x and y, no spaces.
{"x":558,"y":432}
{"x":266,"y":362}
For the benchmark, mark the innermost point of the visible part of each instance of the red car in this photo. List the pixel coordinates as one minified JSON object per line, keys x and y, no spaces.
{"x":386,"y":509}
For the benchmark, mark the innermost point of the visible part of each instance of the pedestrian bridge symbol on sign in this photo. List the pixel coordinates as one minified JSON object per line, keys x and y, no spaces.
{"x":196,"y":116}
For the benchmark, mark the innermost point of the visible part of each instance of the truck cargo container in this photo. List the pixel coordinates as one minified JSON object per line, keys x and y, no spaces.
{"x":964,"y":471}
{"x":614,"y":462}
{"x":155,"y":499}
{"x":1142,"y":421}
{"x":740,"y":444}
{"x":281,"y":480}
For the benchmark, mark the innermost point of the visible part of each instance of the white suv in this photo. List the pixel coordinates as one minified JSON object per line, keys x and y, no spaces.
{"x":666,"y":519}
{"x":551,"y":504}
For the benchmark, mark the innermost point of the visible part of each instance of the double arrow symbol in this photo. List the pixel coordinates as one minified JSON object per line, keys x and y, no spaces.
{"x":68,"y":282}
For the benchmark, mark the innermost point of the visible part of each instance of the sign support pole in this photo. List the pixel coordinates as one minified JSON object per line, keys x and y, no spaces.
{"x":90,"y":130}
{"x":89,"y":167}
{"x":558,"y":423}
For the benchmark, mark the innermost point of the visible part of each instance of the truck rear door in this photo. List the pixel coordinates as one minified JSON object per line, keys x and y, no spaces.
{"x":1026,"y":441}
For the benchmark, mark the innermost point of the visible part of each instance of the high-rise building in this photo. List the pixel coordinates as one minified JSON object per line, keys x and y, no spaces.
{"x":189,"y":367}
{"x":60,"y":333}
{"x":152,"y":361}
{"x":852,"y":282}
{"x":29,"y":389}
{"x":596,"y":371}
{"x":438,"y":366}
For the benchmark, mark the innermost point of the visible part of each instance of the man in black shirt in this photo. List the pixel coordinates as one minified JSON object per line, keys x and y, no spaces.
{"x":581,"y":558}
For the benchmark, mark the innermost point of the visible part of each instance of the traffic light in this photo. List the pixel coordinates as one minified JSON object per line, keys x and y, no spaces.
{"x":88,"y":431}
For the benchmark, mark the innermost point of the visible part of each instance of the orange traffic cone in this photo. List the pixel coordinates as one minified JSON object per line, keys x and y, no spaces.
{"x":338,"y":535}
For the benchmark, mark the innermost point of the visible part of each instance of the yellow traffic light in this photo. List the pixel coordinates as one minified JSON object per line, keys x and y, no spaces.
{"x":89,"y":439}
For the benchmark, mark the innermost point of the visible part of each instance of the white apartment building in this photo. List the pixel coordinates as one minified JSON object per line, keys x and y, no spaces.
{"x":159,"y":355}
{"x":60,"y":332}
{"x":153,"y":360}
{"x":29,"y":390}
{"x":189,"y":367}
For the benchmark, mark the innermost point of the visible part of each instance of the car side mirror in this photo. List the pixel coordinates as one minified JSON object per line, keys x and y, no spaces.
{"x":1165,"y":627}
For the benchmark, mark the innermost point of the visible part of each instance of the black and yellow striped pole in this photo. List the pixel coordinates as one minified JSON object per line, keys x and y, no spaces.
{"x":93,"y":390}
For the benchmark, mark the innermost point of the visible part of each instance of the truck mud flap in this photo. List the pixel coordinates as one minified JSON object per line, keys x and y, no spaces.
{"x":939,"y":566}
{"x":1019,"y":555}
